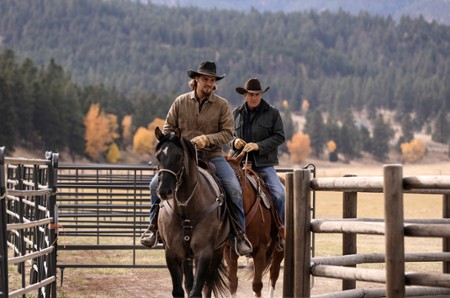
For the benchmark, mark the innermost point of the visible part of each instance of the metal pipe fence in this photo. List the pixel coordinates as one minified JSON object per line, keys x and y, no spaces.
{"x":28,"y":225}
{"x":103,"y":208}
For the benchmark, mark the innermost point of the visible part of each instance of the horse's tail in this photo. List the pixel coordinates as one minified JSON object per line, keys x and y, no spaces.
{"x":218,"y":281}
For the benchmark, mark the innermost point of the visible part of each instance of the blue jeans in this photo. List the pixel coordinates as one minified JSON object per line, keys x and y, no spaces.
{"x":276,"y":188}
{"x":228,"y":180}
{"x":154,"y":199}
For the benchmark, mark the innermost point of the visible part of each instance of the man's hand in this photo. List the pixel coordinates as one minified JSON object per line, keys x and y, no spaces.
{"x":200,"y":141}
{"x":250,"y":147}
{"x":239,"y":144}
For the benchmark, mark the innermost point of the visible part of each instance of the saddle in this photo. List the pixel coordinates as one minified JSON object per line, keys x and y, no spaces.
{"x":262,"y":190}
{"x":259,"y":186}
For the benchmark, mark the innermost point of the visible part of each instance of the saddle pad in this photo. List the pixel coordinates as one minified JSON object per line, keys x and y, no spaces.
{"x":211,"y":180}
{"x":263,"y":195}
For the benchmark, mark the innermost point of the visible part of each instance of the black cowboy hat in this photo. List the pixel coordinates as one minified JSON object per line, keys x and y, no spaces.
{"x":251,"y":86}
{"x":207,"y":68}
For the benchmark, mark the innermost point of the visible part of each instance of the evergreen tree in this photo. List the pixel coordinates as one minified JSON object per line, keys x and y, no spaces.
{"x":382,"y":135}
{"x":9,"y":118}
{"x":25,"y":103}
{"x":441,"y":131}
{"x":349,"y":138}
{"x":290,"y":127}
{"x":407,"y":131}
{"x":366,"y":140}
{"x":315,"y":128}
{"x":333,"y":130}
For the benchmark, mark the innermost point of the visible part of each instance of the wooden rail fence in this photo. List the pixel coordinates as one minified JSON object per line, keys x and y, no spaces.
{"x":300,"y":266}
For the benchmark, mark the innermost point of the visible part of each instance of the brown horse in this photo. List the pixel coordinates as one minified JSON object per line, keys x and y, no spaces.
{"x":261,"y":230}
{"x":191,"y":220}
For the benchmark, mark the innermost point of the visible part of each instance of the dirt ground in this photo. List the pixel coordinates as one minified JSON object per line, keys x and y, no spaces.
{"x":156,"y":283}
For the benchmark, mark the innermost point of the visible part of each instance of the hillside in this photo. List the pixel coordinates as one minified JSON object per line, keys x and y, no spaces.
{"x":59,"y":59}
{"x":431,"y":10}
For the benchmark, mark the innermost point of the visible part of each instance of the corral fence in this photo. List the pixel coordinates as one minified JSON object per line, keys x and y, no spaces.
{"x":302,"y":267}
{"x":28,"y":225}
{"x":103,"y":208}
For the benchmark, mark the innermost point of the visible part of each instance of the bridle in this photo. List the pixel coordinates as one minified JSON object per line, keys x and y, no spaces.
{"x":179,"y":180}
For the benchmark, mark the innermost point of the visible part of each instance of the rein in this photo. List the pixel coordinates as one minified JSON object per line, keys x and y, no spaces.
{"x":178,"y":184}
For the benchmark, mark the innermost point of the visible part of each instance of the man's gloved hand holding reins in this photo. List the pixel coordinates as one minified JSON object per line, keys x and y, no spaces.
{"x":246,"y":147}
{"x":250,"y":147}
{"x":239,"y":144}
{"x":200,"y":142}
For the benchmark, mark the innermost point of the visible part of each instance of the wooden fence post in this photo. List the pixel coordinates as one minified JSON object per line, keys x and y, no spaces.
{"x":349,"y":210}
{"x":394,"y":231}
{"x":288,"y":277}
{"x":446,"y":241}
{"x":302,"y":232}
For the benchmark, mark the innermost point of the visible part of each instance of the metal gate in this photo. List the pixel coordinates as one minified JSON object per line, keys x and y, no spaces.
{"x":28,"y":225}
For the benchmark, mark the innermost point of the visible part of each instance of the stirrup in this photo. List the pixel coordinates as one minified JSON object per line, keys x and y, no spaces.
{"x":245,"y":240}
{"x":148,"y":230}
{"x":155,"y":233}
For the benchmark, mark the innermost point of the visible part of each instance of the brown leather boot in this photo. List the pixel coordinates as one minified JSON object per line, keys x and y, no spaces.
{"x":152,"y":239}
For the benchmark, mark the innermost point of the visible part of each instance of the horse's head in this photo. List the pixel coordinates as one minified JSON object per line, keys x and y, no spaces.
{"x":171,"y":156}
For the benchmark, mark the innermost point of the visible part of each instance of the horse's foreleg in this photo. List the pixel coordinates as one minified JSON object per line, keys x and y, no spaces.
{"x":231,"y":258}
{"x":259,"y":261}
{"x":188,"y":275}
{"x":275,"y":270}
{"x":202,"y":269}
{"x":176,"y":273}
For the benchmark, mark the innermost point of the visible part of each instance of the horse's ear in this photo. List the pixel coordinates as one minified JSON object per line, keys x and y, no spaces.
{"x":158,"y":133}
{"x":178,"y":132}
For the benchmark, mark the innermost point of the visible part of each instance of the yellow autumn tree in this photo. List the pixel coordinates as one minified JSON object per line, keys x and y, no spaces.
{"x":299,"y":147}
{"x":157,"y":122}
{"x":413,"y":151}
{"x":101,"y":131}
{"x":113,"y":153}
{"x":127,"y":122}
{"x":144,"y":138}
{"x":143,"y":141}
{"x":332,"y":153}
{"x":331,"y":146}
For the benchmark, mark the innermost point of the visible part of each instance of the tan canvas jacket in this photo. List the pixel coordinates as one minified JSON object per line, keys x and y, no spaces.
{"x":215,"y":120}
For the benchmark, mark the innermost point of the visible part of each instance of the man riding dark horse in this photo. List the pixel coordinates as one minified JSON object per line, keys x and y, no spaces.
{"x":205,"y":119}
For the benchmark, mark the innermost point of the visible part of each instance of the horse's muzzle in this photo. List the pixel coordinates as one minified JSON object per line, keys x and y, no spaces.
{"x":165,"y":194}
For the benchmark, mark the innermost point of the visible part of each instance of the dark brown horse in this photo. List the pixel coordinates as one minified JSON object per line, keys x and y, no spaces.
{"x":261,"y":230}
{"x":191,"y":220}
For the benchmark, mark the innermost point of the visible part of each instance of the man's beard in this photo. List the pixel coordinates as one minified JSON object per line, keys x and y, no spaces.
{"x":206,"y":92}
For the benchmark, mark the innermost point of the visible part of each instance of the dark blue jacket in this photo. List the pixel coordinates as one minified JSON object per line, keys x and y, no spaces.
{"x":267,"y":132}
